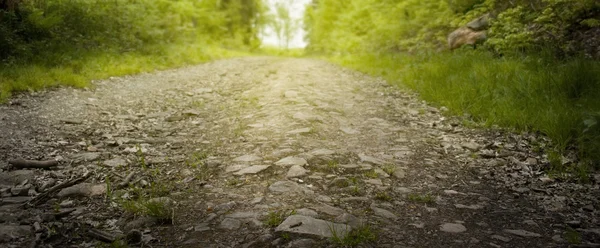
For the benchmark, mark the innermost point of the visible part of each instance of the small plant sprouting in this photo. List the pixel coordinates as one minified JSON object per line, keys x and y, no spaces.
{"x":358,"y":235}
{"x":274,"y":218}
{"x":425,"y":198}
{"x":141,"y":156}
{"x":382,"y":196}
{"x":371,"y":174}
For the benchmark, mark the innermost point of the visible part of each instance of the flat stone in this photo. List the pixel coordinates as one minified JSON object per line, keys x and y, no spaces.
{"x":355,"y":199}
{"x":115,"y":162}
{"x":235,"y":167}
{"x":14,"y":200}
{"x":381,"y":173}
{"x":291,"y":161}
{"x":402,"y":190}
{"x":247,"y":158}
{"x":501,"y":238}
{"x":453,"y":228}
{"x":202,"y":227}
{"x":252,"y":170}
{"x":384,"y":213}
{"x":472,"y":146}
{"x":241,"y":215}
{"x":376,"y":182}
{"x":305,"y":225}
{"x":399,"y":173}
{"x":14,"y":177}
{"x":300,"y":131}
{"x":230,"y":224}
{"x":350,"y":166}
{"x":296,"y":171}
{"x":349,"y":219}
{"x":522,"y":233}
{"x":14,"y":232}
{"x":348,"y":130}
{"x":327,"y":209}
{"x":83,"y":190}
{"x":372,"y":160}
{"x":288,"y":186}
{"x":191,"y":112}
{"x":473,"y":207}
{"x":86,"y":157}
{"x":307,"y":212}
{"x":321,"y":152}
{"x":306,"y":117}
{"x":290,"y":94}
{"x":302,"y":243}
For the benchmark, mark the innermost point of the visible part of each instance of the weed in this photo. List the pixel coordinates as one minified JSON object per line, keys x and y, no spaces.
{"x":358,"y":235}
{"x":356,"y":191}
{"x":141,"y":156}
{"x":332,"y":165}
{"x":419,"y":198}
{"x":389,"y":169}
{"x":382,"y":196}
{"x":371,"y":174}
{"x":285,"y":236}
{"x":572,"y":236}
{"x":160,"y":209}
{"x":274,"y":218}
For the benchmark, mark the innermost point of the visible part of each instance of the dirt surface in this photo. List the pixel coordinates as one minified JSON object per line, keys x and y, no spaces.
{"x":273,"y":152}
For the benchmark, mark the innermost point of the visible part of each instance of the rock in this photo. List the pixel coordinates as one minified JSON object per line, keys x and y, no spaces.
{"x":290,"y":94}
{"x":402,"y":190}
{"x":224,"y":207}
{"x":348,"y":130}
{"x":14,"y":232}
{"x":371,"y":160}
{"x":321,"y":152}
{"x":296,"y":171}
{"x":241,"y":215}
{"x":329,"y":210}
{"x":191,"y":112}
{"x":252,"y":170}
{"x":307,"y":212}
{"x":14,"y":177}
{"x":235,"y":167}
{"x":376,"y":182}
{"x":164,"y":201}
{"x":383,"y":213}
{"x":20,"y":190}
{"x":115,"y":162}
{"x":350,"y":166}
{"x":399,"y":173}
{"x":247,"y":158}
{"x":300,"y":131}
{"x":83,"y":190}
{"x":452,"y":228}
{"x":381,"y":173}
{"x":472,"y":146}
{"x":305,"y":225}
{"x":523,"y":233}
{"x":202,"y":227}
{"x":14,"y":200}
{"x":230,"y":224}
{"x":86,"y":157}
{"x":349,"y":219}
{"x":302,"y":243}
{"x":291,"y":161}
{"x":501,"y":238}
{"x":473,"y":207}
{"x":288,"y":186}
{"x":67,"y":204}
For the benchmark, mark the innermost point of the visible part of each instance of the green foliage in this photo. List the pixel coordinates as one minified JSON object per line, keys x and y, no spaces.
{"x":359,"y":235}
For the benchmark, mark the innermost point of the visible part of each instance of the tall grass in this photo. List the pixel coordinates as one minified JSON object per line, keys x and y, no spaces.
{"x":560,"y":99}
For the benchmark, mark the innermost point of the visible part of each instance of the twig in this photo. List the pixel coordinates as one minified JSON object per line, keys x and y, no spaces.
{"x":101,"y":235}
{"x":22,"y":163}
{"x":126,"y":180}
{"x":43,"y":197}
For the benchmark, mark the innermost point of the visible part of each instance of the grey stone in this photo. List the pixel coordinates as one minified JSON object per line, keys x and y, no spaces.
{"x":399,"y":173}
{"x":349,"y":219}
{"x":305,"y":225}
{"x":288,"y":186}
{"x":302,"y":243}
{"x":14,"y":177}
{"x":372,"y":160}
{"x":453,"y":228}
{"x":473,"y":207}
{"x":83,"y":190}
{"x":290,"y":94}
{"x":381,"y":173}
{"x":522,"y":233}
{"x":13,"y":232}
{"x":472,"y":146}
{"x":348,"y":130}
{"x":291,"y":161}
{"x":252,"y":170}
{"x":327,"y":209}
{"x":307,"y":212}
{"x":402,"y":190}
{"x":501,"y":238}
{"x":86,"y":157}
{"x":140,"y":223}
{"x":241,"y":215}
{"x":235,"y":167}
{"x":384,"y":213}
{"x":247,"y":158}
{"x":376,"y":182}
{"x":224,"y":207}
{"x":115,"y":162}
{"x":321,"y":152}
{"x":230,"y":224}
{"x":296,"y":171}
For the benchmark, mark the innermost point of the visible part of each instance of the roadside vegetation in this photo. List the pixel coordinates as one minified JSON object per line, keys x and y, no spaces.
{"x":537,"y":71}
{"x":45,"y":43}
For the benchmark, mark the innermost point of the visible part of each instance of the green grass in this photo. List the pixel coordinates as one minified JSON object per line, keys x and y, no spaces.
{"x":560,"y":99}
{"x":421,"y":198}
{"x":274,"y":218}
{"x":357,"y":236}
{"x":82,"y":68}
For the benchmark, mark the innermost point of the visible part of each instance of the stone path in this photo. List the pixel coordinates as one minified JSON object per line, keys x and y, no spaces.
{"x":271,"y":152}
